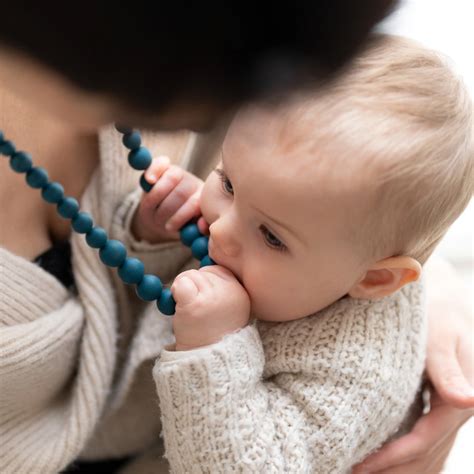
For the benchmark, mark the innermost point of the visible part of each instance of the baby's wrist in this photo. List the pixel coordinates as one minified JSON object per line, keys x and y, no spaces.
{"x":181,"y":347}
{"x":204,"y":342}
{"x":189,"y":347}
{"x":197,"y":343}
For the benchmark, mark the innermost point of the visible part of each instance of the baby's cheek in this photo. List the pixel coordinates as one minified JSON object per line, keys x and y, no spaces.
{"x":280,"y":295}
{"x":270,"y":298}
{"x":209,"y":203}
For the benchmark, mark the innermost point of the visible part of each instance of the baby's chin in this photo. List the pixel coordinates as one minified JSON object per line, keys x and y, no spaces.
{"x":275,"y":316}
{"x":277,"y":313}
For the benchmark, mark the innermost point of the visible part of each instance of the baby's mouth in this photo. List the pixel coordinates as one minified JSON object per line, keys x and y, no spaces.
{"x":212,"y":252}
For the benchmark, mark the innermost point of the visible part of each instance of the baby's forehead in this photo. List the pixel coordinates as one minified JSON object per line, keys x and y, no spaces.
{"x":292,"y":146}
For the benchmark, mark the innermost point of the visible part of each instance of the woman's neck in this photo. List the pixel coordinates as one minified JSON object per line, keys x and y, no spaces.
{"x":48,"y":140}
{"x":69,"y":155}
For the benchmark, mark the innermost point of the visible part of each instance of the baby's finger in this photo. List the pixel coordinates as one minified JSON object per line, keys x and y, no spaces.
{"x":219,"y":271}
{"x":185,"y":213}
{"x":167,"y":182}
{"x":175,"y":198}
{"x":186,"y":273}
{"x":184,"y":290}
{"x":200,"y":281}
{"x":156,"y":169}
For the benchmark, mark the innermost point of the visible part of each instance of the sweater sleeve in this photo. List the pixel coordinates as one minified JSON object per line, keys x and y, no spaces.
{"x":313,"y":395}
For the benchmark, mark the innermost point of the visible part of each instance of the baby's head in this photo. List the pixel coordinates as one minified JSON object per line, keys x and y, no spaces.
{"x":347,"y":191}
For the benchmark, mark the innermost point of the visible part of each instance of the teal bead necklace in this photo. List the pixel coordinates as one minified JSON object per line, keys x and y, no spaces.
{"x":111,"y":252}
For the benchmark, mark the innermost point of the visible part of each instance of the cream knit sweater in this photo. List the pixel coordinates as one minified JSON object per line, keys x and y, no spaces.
{"x":77,"y":377}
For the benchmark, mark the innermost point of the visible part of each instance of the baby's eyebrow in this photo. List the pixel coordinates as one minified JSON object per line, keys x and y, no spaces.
{"x":275,"y":221}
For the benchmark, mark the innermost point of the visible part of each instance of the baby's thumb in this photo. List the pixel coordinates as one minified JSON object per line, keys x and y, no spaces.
{"x":184,"y":291}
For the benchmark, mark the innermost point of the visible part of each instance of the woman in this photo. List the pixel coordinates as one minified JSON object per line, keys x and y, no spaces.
{"x":63,"y":74}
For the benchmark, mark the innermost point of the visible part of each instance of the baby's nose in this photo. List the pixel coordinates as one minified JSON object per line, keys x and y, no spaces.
{"x":224,"y":239}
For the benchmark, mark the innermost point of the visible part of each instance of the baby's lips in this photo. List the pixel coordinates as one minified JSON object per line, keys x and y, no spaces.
{"x":203,"y":226}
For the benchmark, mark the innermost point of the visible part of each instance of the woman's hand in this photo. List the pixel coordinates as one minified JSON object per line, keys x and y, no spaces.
{"x":450,"y":367}
{"x":210,"y":303}
{"x":171,"y":203}
{"x":424,"y":450}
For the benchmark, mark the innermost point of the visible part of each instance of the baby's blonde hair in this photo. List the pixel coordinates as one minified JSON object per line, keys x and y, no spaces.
{"x":404,"y":109}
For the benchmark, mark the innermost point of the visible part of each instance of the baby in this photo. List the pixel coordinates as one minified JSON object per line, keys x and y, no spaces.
{"x":297,"y":352}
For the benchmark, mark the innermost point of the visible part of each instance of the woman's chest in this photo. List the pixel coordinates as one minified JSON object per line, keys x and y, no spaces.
{"x":23,"y":216}
{"x":28,"y":224}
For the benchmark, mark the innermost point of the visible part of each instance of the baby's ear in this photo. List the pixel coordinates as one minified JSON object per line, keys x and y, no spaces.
{"x":385,"y":277}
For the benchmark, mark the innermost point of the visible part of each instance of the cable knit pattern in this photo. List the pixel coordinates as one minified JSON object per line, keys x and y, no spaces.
{"x":77,"y":377}
{"x":75,"y":370}
{"x":313,"y":395}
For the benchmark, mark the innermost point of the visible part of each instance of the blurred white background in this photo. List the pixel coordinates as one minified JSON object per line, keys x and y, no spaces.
{"x":448,"y":26}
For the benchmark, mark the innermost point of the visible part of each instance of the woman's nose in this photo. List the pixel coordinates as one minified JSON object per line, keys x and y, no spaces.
{"x":223,"y":234}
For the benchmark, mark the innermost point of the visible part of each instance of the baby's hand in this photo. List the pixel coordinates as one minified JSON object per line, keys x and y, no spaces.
{"x":210,"y":303}
{"x":171,"y":203}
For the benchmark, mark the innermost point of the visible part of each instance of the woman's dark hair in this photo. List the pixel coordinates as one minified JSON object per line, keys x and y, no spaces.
{"x":148,"y":54}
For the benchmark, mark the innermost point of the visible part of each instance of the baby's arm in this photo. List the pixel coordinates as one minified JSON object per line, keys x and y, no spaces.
{"x":334,"y":387}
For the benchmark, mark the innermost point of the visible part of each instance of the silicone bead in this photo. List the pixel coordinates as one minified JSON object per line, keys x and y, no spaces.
{"x":82,"y":222}
{"x":131,"y":271}
{"x":199,"y":247}
{"x":68,"y":207}
{"x":37,"y":177}
{"x":189,"y":233}
{"x":7,"y":148}
{"x":96,"y":237}
{"x":149,"y":289}
{"x":146,"y":186}
{"x":132,"y":140}
{"x":113,"y":253}
{"x":53,"y":192}
{"x":206,"y":261}
{"x":123,"y":128}
{"x":166,"y":303}
{"x":140,"y":158}
{"x":21,"y":162}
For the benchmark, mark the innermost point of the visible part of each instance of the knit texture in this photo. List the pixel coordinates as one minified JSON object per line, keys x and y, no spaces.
{"x":75,"y":370}
{"x":77,"y":377}
{"x":313,"y":395}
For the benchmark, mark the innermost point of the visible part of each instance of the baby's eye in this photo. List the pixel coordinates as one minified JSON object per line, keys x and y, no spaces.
{"x":272,"y":240}
{"x":226,"y":184}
